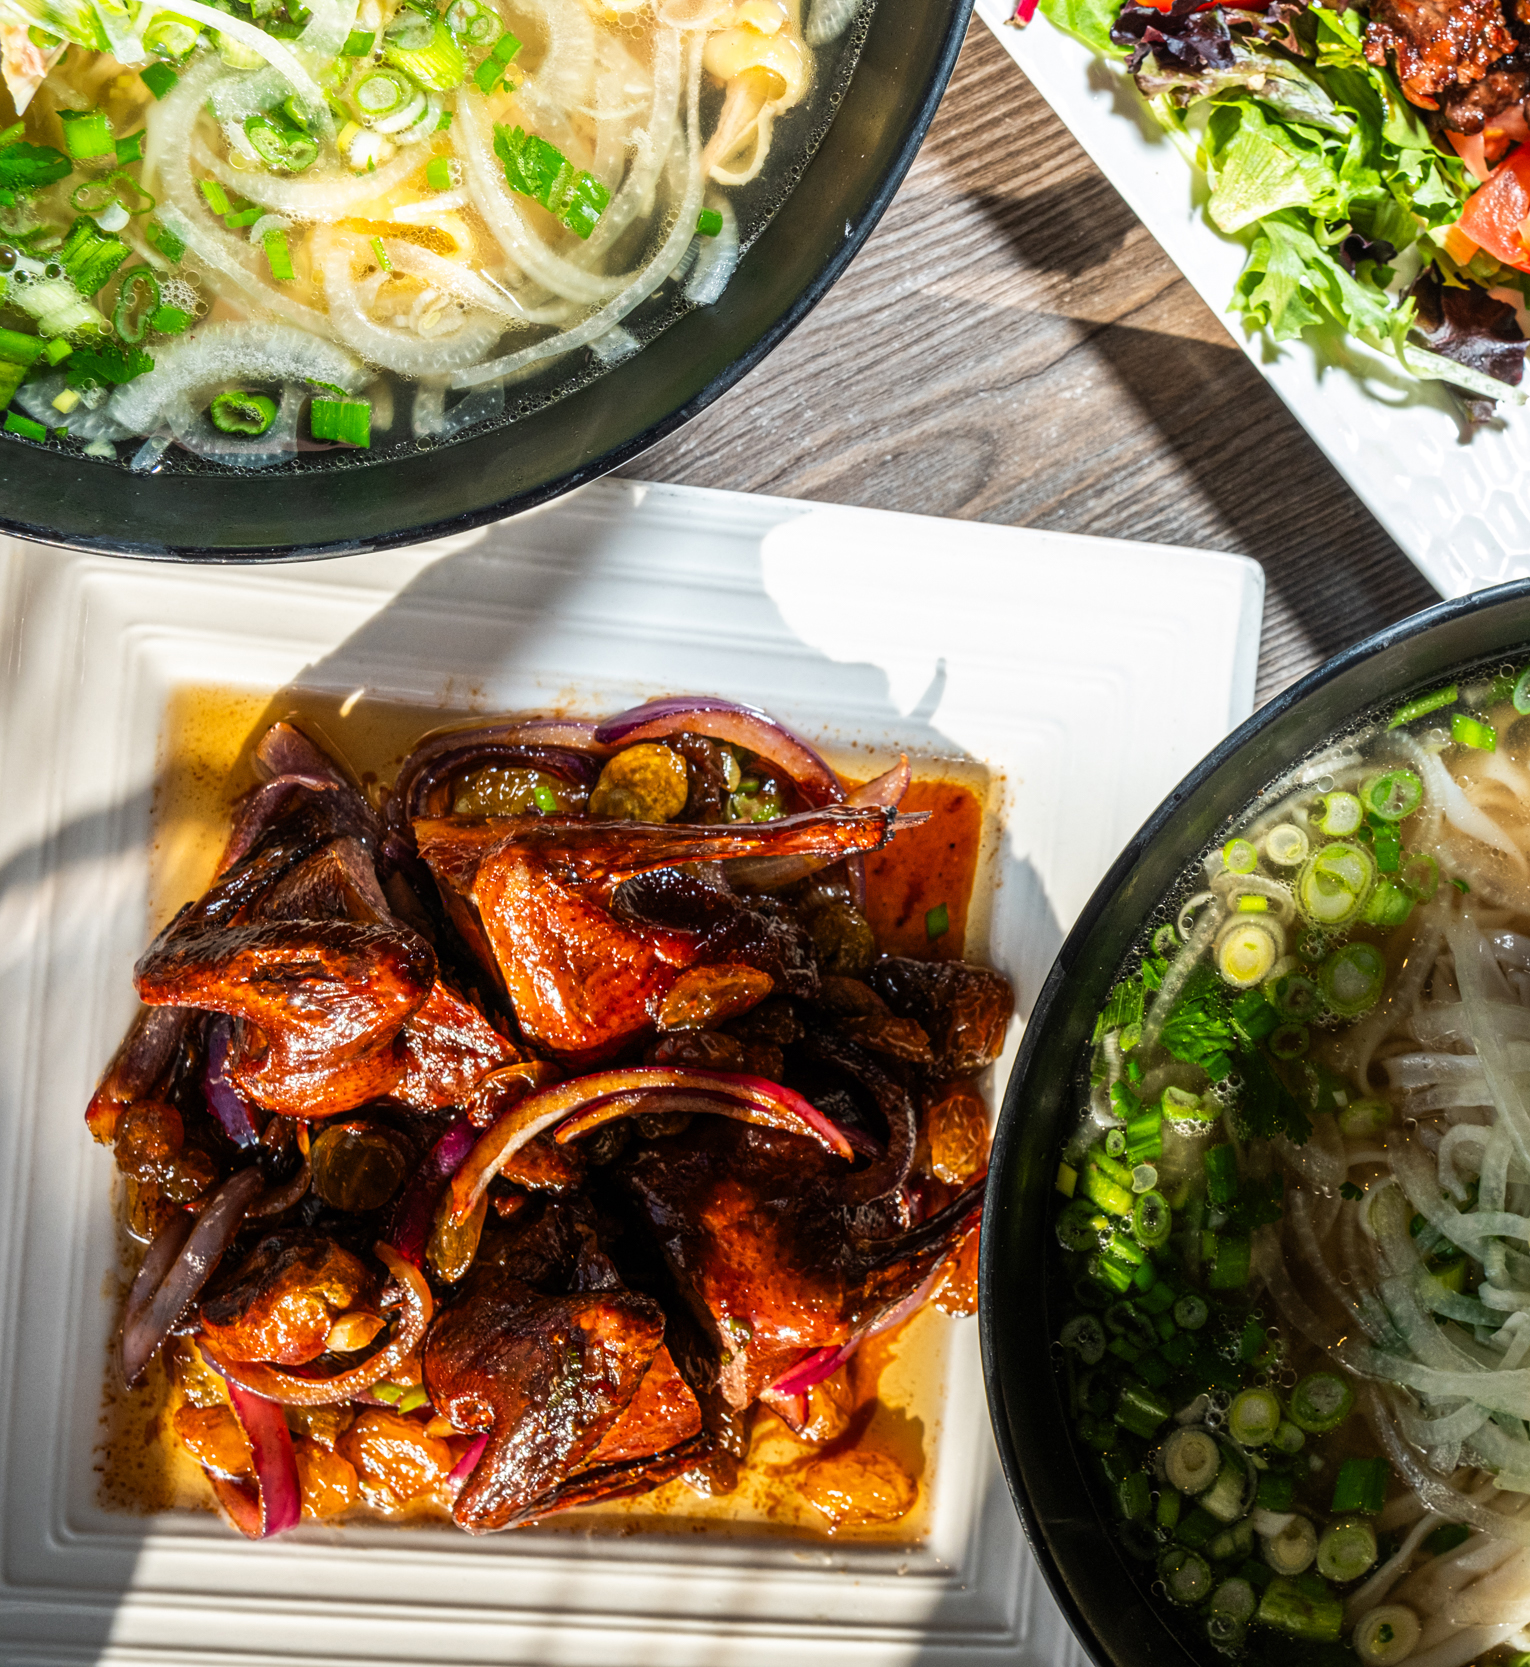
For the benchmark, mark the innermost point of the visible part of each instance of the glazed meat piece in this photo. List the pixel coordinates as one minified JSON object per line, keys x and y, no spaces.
{"x":1470,"y":109}
{"x":546,"y":1376}
{"x":964,"y":1009}
{"x":536,"y":897}
{"x":763,"y":1254}
{"x":285,"y":1299}
{"x":662,"y":1414}
{"x":1439,"y":44}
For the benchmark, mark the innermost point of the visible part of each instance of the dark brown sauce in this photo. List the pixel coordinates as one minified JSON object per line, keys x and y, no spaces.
{"x":897,"y":1380}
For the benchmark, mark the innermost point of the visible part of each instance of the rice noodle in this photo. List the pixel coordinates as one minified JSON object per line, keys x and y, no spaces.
{"x":327,"y":196}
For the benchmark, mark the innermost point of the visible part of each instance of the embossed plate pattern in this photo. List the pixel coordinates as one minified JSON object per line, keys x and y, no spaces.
{"x":1086,"y":676}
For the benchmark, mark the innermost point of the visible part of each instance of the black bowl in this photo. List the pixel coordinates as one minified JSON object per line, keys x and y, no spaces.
{"x":1073,"y":1540}
{"x":909,"y":52}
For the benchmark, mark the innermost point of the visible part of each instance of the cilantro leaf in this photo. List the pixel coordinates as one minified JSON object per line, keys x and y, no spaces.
{"x":105,"y":366}
{"x":1197,"y":1029}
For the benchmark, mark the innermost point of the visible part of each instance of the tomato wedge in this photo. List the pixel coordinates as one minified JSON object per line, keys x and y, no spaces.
{"x":1496,"y":210}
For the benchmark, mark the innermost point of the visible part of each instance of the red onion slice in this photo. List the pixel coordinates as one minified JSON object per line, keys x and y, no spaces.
{"x":233,"y":1112}
{"x":154,"y":1311}
{"x":742,"y":726}
{"x":410,"y":1229}
{"x":293,"y":1389}
{"x":578,"y":1106}
{"x":463,"y":1468}
{"x":278,"y":1502}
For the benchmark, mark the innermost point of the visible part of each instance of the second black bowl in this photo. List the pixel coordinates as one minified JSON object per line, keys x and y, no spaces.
{"x":1074,"y":1543}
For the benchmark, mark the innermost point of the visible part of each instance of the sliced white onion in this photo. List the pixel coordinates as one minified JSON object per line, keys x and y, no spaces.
{"x":326,"y":196}
{"x":827,"y":20}
{"x":229,"y":355}
{"x":278,"y":55}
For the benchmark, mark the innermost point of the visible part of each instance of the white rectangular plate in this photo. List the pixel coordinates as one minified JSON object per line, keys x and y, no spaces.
{"x":1460,"y":509}
{"x":1088,"y":676}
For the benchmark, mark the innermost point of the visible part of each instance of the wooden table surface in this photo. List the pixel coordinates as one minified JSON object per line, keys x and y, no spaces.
{"x":1012,"y":346}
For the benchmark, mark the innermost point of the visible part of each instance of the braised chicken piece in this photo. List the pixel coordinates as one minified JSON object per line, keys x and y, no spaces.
{"x":763,"y":1251}
{"x":285,"y":1299}
{"x":547,"y":901}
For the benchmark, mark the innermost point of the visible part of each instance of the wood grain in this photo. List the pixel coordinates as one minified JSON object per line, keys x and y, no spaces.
{"x":1012,"y":346}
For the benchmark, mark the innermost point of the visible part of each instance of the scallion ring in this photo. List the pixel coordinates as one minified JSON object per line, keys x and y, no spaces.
{"x":1186,"y":1575}
{"x":1340,"y":814}
{"x":1246,"y":950}
{"x":1291,"y":1551}
{"x":1191,"y":1460}
{"x":1290,"y":1041}
{"x":1321,"y":1402}
{"x":1390,"y":1632}
{"x":284,"y":150}
{"x":1152,"y":1219}
{"x":236,"y":411}
{"x":1352,"y":979}
{"x":1190,"y":1312}
{"x":1392,"y":795}
{"x":1335,"y":883}
{"x":1346,"y":1550}
{"x":138,"y":299}
{"x":131,"y":194}
{"x":1115,"y":1142}
{"x":380,"y":92}
{"x":1240,"y":856}
{"x":1286,"y":845}
{"x":94,"y":196}
{"x":1165,"y":941}
{"x":1084,"y":1336}
{"x":1254,"y":1417}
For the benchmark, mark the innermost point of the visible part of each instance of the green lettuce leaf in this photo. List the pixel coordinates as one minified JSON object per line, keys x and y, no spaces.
{"x":1258,"y":167}
{"x":1089,"y":20}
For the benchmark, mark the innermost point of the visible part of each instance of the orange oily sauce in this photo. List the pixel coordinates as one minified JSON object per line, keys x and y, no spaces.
{"x":890,"y":1393}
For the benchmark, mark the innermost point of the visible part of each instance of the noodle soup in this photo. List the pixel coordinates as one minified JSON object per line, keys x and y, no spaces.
{"x":1294,"y":1220}
{"x":230,"y":234}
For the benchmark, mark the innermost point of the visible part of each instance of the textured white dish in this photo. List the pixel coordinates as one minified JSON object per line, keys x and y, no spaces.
{"x":1460,"y":509}
{"x":1087,"y":675}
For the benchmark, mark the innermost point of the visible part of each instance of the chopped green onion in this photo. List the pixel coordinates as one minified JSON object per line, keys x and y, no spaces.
{"x":1196,"y":1529}
{"x":1320,"y":1403}
{"x":359,"y":44}
{"x":1221,"y":1163}
{"x":1134,"y":1498}
{"x":236,"y":412}
{"x":1295,"y":998}
{"x":1152,"y":1220}
{"x":20,"y":348}
{"x":1227,"y":1497}
{"x":1144,"y":1136}
{"x":1067,"y":1179}
{"x":285,"y":150}
{"x":1361,"y":1485}
{"x":1424,"y":705}
{"x":1387,"y":1634}
{"x":1230,"y":1268}
{"x":1246,"y":952}
{"x":438,"y":173}
{"x":1341,"y":815}
{"x":426,"y":51}
{"x":129,"y":148}
{"x":1293,"y":1549}
{"x":1289,"y":1609}
{"x":708,"y":223}
{"x":137,"y":302}
{"x":1085,"y":1337}
{"x":89,"y":257}
{"x":937,"y":921}
{"x":1165,"y":940}
{"x":1253,"y":903}
{"x":1191,"y":1460}
{"x":1115,"y":1143}
{"x":1186,"y":1575}
{"x":170,"y":321}
{"x":1335,"y":883}
{"x":160,"y":79}
{"x":165,"y":240}
{"x":1286,"y":845}
{"x":1191,"y":1312}
{"x":1240,"y":856}
{"x":1389,"y":905}
{"x":350,"y":422}
{"x":1473,"y":732}
{"x":278,"y":256}
{"x":1139,"y":1410}
{"x":1352,"y":979}
{"x":1393,"y":794}
{"x":1288,"y":1438}
{"x":1346,"y":1550}
{"x":58,"y":350}
{"x":381,"y":93}
{"x":217,"y":197}
{"x":1289,"y":1041}
{"x":1179,"y":1105}
{"x":242,"y":217}
{"x":1254,"y":1417}
{"x":87,"y":133}
{"x":1276,"y":1490}
{"x":1080,"y":1226}
{"x":15,"y":423}
{"x":383,"y":262}
{"x":1521,"y":695}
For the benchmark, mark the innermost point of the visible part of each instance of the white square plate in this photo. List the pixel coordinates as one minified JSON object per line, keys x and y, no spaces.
{"x":1087,"y":676}
{"x":1460,"y":509}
